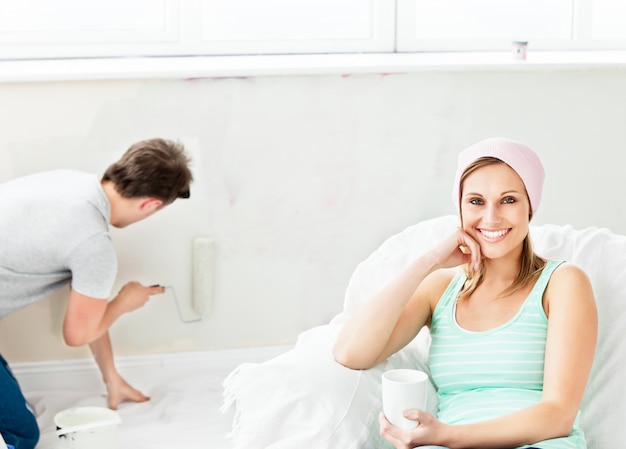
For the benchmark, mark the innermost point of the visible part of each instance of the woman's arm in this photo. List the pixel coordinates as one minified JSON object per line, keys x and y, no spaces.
{"x":570,"y":347}
{"x":394,"y":316}
{"x":387,"y":322}
{"x":571,"y":344}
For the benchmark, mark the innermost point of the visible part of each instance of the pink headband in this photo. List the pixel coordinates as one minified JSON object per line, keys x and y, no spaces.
{"x":516,"y":155}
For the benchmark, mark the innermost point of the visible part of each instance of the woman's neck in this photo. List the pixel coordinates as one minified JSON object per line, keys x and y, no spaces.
{"x":503,"y":270}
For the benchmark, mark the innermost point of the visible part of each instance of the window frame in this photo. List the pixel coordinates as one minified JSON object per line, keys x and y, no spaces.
{"x":391,"y":31}
{"x":181,"y":34}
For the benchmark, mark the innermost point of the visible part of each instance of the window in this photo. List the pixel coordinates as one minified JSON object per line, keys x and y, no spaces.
{"x":608,"y":20}
{"x":31,"y":29}
{"x":491,"y":25}
{"x":92,"y":28}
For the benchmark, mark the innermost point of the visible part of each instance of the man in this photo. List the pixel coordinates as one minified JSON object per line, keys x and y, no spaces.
{"x":54,"y":231}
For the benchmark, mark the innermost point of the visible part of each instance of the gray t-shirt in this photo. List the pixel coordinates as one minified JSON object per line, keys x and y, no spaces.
{"x":54,"y":229}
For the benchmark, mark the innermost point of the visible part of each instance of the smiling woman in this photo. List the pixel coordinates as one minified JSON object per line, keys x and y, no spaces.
{"x":513,"y":334}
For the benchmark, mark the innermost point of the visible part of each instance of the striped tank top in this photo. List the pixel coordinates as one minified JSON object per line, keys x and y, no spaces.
{"x":484,"y":375}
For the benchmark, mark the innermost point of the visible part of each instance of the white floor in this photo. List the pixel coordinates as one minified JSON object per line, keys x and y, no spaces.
{"x":185,"y":391}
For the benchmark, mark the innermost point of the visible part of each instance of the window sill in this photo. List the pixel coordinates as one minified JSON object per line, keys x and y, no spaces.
{"x":275,"y":65}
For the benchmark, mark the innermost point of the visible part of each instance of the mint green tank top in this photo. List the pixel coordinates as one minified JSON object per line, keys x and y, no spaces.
{"x":484,"y":375}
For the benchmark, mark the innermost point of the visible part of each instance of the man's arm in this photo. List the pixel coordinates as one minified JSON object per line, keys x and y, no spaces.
{"x":87,"y":318}
{"x":87,"y":321}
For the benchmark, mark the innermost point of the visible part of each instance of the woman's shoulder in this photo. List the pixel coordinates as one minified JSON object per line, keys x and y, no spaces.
{"x":440,"y":279}
{"x":569,"y":283}
{"x":437,"y":282}
{"x":568,"y":272}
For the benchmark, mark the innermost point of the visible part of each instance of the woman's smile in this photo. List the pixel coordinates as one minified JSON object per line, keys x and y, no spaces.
{"x":493,"y":235}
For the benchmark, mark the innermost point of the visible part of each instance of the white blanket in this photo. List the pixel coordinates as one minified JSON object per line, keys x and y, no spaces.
{"x":303,"y":399}
{"x":185,"y":395}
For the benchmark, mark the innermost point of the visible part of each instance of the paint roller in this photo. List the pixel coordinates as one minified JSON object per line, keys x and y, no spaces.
{"x":203,"y":274}
{"x":202,"y":280}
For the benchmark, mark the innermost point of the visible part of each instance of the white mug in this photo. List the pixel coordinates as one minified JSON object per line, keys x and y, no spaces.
{"x":403,"y":389}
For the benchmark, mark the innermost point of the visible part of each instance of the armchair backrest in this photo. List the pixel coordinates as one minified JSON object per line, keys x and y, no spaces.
{"x":600,"y":252}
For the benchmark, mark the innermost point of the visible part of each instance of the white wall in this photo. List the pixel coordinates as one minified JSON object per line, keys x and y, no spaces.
{"x":300,"y":178}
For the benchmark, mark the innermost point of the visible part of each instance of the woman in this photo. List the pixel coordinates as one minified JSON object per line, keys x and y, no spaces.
{"x":513,"y":334}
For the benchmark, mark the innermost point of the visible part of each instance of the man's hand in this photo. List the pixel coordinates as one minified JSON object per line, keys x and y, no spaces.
{"x":133,"y":295}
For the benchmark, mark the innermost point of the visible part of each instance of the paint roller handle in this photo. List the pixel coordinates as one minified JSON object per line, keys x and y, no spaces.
{"x":156,"y":289}
{"x":182,"y":316}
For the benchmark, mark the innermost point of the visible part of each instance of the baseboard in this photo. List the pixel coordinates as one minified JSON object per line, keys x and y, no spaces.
{"x":83,"y":374}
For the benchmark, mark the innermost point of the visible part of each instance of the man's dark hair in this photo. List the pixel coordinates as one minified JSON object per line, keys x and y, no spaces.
{"x":156,"y":168}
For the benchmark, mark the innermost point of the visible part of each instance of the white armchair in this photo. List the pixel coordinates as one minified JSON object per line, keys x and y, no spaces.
{"x":303,"y":398}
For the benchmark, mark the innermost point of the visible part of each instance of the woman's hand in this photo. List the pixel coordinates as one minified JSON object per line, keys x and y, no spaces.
{"x":428,"y":431}
{"x":459,"y":248}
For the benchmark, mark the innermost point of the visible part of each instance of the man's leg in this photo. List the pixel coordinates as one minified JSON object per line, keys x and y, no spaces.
{"x":18,"y":425}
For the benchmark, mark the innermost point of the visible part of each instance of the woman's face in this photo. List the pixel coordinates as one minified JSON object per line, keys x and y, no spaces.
{"x":495,"y":209}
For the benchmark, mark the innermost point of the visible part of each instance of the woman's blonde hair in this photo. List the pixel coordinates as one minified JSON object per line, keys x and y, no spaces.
{"x":531,"y":263}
